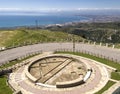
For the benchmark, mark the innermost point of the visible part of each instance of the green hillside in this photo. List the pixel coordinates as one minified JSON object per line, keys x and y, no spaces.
{"x":99,"y":32}
{"x":23,"y":37}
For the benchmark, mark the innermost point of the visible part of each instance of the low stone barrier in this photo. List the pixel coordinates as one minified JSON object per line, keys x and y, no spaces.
{"x":90,"y":53}
{"x":45,"y":85}
{"x":17,"y":92}
{"x":87,"y":76}
{"x":68,"y":84}
{"x":29,"y":76}
{"x":73,"y":83}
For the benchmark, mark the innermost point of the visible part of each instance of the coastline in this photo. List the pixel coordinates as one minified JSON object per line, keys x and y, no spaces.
{"x":31,"y":21}
{"x":57,"y":21}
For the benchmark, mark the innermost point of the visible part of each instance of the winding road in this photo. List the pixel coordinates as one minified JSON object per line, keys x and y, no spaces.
{"x":21,"y":51}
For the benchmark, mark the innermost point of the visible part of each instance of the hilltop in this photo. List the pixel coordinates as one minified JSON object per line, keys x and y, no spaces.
{"x":24,"y":36}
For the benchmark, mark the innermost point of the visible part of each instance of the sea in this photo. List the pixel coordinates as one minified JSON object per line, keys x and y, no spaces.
{"x":31,"y":20}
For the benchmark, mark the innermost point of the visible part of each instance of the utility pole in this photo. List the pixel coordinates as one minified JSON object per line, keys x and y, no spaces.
{"x":36,"y":23}
{"x":73,"y":43}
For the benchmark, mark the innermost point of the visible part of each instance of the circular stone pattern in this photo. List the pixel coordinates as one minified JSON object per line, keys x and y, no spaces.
{"x":59,"y":74}
{"x":59,"y":71}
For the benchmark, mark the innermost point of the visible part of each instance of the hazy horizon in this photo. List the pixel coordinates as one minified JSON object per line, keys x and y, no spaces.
{"x":57,"y":12}
{"x":59,"y":5}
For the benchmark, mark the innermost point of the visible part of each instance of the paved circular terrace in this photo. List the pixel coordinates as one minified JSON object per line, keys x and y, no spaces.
{"x":97,"y":79}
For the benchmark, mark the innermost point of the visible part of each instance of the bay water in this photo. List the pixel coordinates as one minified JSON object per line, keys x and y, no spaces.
{"x":30,"y":20}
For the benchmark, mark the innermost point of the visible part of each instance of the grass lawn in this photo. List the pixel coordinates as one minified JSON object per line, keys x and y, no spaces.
{"x":117,"y":46}
{"x":107,"y":86}
{"x":115,"y":75}
{"x":4,"y":89}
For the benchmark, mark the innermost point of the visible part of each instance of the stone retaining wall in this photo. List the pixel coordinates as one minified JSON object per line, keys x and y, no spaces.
{"x":66,"y":84}
{"x":74,"y":83}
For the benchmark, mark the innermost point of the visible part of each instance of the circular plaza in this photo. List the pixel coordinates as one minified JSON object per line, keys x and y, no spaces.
{"x":50,"y":73}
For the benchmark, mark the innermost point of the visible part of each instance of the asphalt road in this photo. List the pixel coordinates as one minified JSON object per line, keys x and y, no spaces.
{"x":21,"y":51}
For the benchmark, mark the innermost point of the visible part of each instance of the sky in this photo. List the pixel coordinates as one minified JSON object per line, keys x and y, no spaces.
{"x":58,"y":4}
